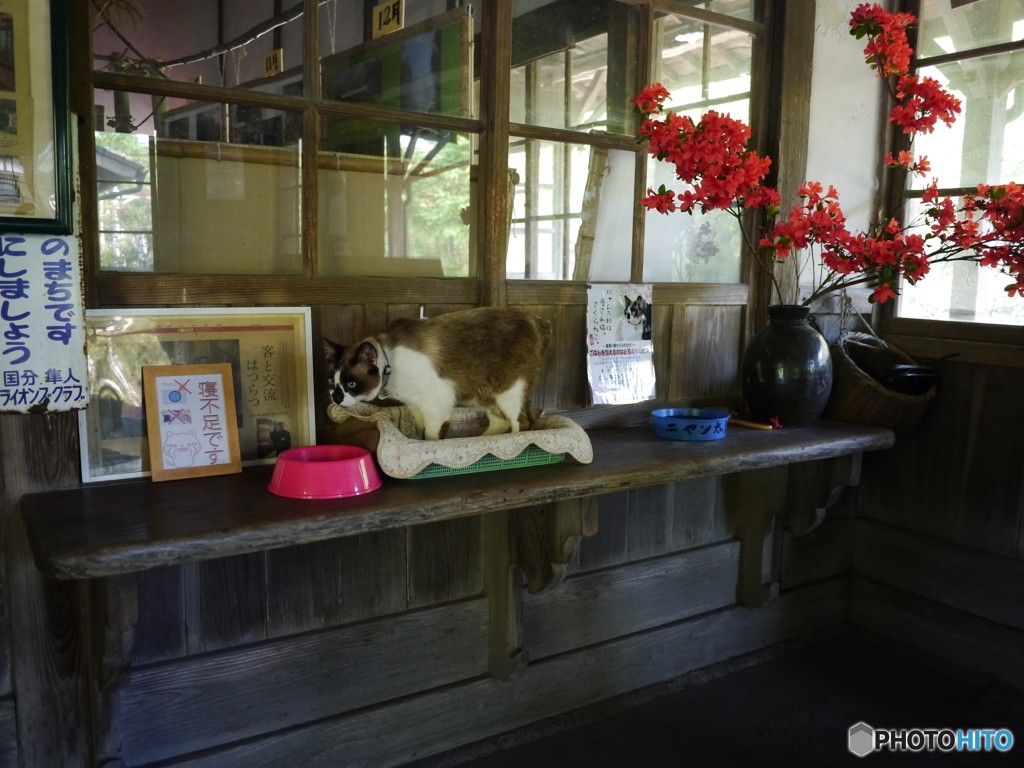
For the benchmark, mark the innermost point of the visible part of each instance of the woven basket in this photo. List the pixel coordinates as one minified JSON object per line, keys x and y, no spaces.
{"x":857,"y":397}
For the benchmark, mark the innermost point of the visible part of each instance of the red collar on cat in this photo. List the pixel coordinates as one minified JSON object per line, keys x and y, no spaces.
{"x":387,"y":372}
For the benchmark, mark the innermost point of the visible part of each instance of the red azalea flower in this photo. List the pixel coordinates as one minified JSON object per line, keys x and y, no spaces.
{"x":883,"y":293}
{"x":651,"y":98}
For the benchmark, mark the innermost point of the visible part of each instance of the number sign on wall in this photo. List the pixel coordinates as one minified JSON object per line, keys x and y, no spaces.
{"x":388,"y":17}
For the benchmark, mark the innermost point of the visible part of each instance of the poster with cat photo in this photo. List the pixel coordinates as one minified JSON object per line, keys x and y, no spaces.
{"x":620,"y":344}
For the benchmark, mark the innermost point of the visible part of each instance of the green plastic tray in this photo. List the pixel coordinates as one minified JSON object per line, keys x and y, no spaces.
{"x":531,"y":456}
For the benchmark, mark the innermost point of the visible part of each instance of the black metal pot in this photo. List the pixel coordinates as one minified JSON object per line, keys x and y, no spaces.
{"x":787,"y":369}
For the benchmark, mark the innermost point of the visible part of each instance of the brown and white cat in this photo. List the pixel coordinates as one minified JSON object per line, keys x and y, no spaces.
{"x":489,"y":358}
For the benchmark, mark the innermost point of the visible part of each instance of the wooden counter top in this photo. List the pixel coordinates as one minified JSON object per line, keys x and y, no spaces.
{"x":108,"y":529}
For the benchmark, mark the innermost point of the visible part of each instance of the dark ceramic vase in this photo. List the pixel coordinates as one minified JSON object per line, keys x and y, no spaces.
{"x":787,"y":369}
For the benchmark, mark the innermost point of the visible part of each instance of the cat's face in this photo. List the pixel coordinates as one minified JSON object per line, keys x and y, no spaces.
{"x":352,"y":372}
{"x":635,"y":309}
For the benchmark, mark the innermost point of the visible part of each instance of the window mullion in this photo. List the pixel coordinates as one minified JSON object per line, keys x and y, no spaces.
{"x":310,"y":136}
{"x":493,"y":202}
{"x":644,"y":75}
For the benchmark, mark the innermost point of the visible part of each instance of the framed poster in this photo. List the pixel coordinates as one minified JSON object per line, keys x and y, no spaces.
{"x":270,"y":354}
{"x":35,"y":135}
{"x":191,"y":417}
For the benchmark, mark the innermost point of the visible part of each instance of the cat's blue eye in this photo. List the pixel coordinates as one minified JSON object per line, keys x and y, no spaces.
{"x":350,"y":386}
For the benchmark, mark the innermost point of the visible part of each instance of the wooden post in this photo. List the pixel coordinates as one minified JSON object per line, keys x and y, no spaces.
{"x":756,"y":500}
{"x":493,"y":211}
{"x":503,"y":585}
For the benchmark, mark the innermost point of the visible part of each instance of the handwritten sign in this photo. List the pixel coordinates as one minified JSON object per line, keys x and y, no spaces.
{"x":43,"y":366}
{"x":388,"y":17}
{"x":273,"y":62}
{"x":620,"y":365}
{"x":192,"y":420}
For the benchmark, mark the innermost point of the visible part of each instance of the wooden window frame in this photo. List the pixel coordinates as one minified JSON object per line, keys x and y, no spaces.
{"x":929,"y":339}
{"x":492,"y":127}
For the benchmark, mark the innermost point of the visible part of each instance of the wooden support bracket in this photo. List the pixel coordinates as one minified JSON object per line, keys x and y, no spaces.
{"x":761,"y":501}
{"x":534,"y":544}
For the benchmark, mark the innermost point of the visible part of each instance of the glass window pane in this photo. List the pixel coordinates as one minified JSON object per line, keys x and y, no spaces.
{"x":683,"y":248}
{"x":572,"y":211}
{"x":199,"y":187}
{"x":427,"y":66}
{"x":574,"y":64}
{"x":962,"y":291}
{"x":947,"y":29}
{"x":395,"y":200}
{"x":233,"y":44}
{"x":986,"y":143}
{"x":703,"y":66}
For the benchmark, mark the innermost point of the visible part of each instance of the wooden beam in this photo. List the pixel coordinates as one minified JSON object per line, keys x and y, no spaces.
{"x":493,"y":206}
{"x":126,"y":289}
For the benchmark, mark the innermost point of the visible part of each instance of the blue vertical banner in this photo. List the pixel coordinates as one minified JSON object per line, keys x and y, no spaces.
{"x":42,"y":349}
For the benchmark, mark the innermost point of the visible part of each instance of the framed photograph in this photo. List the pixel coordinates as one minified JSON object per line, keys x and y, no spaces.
{"x":35,"y":129}
{"x":192,"y":420}
{"x":270,"y":354}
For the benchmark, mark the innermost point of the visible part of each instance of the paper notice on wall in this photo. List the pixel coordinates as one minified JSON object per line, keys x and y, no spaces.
{"x":42,"y":353}
{"x":620,"y":366}
{"x":225,"y":180}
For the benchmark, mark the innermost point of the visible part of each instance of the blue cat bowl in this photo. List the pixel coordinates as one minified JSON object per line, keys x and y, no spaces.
{"x":698,"y":424}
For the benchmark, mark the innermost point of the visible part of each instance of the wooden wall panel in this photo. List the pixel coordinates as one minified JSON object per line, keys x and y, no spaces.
{"x":49,"y":648}
{"x":958,"y":478}
{"x":334,"y":582}
{"x":706,"y":341}
{"x":661,"y":335}
{"x":160,"y":633}
{"x":225,"y":602}
{"x":823,"y":553}
{"x":650,"y":522}
{"x":173,"y":709}
{"x":445,"y":561}
{"x":674,"y":517}
{"x":595,"y":607}
{"x":8,"y":734}
{"x":971,"y":580}
{"x":608,"y":546}
{"x":942,"y":632}
{"x":563,"y":383}
{"x":411,"y":728}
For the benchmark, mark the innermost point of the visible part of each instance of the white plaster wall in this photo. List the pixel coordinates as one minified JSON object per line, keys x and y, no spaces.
{"x":846,"y":105}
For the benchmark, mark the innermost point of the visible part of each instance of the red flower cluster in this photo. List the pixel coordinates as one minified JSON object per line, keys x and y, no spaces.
{"x":924,"y":102}
{"x":888,"y":50}
{"x":906,"y":160}
{"x":820,"y":221}
{"x":711,"y":156}
{"x":920,"y":101}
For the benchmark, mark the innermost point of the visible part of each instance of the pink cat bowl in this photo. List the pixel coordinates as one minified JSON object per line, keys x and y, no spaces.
{"x":324,"y":472}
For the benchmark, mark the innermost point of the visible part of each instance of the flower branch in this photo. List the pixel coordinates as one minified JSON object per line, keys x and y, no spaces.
{"x":720,"y":172}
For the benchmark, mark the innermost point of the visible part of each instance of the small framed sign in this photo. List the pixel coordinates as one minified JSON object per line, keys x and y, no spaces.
{"x":192,"y":420}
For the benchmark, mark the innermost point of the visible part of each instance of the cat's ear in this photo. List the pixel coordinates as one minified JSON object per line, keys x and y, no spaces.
{"x":331,"y":351}
{"x":367,"y":354}
{"x":627,"y":300}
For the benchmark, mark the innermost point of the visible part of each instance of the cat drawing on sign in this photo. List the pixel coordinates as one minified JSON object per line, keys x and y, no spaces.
{"x":181,"y":449}
{"x":489,"y":358}
{"x":635,"y":321}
